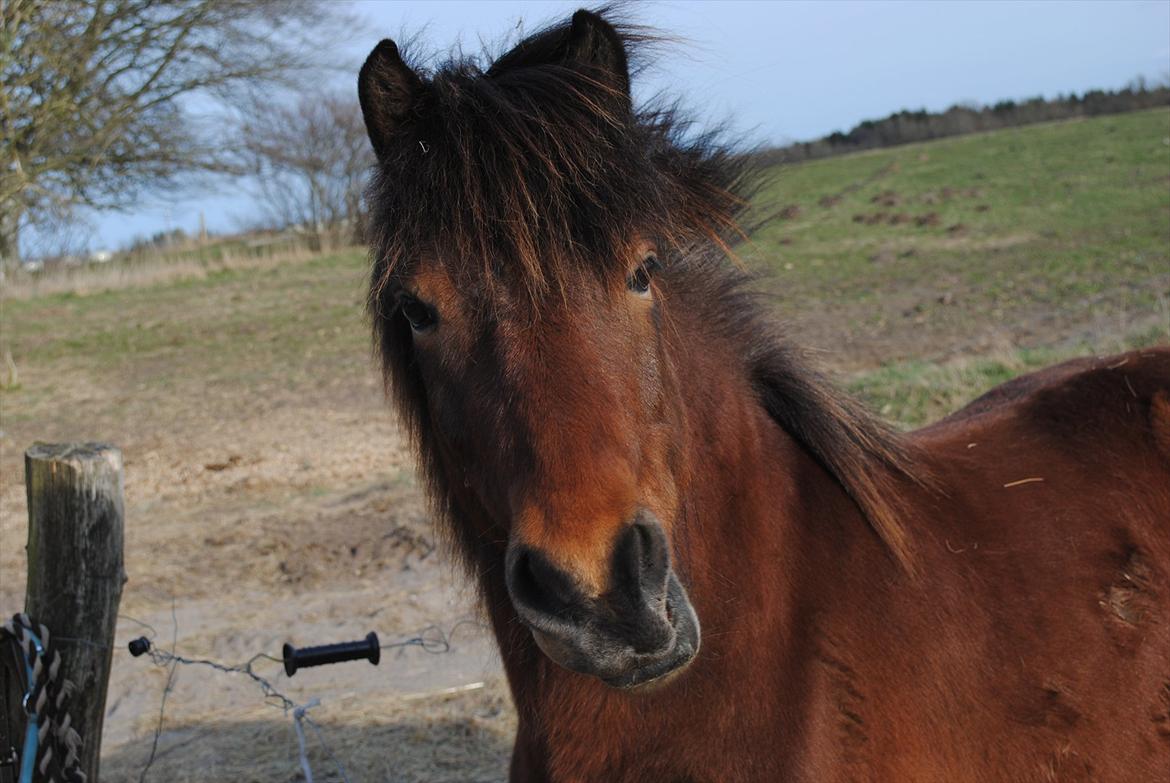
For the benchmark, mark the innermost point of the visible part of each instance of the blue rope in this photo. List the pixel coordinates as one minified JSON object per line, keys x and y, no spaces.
{"x":28,"y":755}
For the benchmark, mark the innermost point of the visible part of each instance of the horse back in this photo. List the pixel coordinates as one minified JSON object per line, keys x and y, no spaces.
{"x":1102,"y":413}
{"x":1050,"y":550}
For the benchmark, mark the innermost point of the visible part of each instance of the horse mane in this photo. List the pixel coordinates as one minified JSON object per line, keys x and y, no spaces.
{"x":869,"y":459}
{"x":524,"y":177}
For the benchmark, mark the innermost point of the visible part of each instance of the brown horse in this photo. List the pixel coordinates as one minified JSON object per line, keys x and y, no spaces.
{"x":625,"y":453}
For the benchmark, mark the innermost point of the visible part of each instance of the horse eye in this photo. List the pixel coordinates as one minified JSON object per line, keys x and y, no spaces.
{"x":420,"y":316}
{"x":639,"y":282}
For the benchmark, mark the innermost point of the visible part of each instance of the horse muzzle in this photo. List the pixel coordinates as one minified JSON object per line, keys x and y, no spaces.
{"x":637,"y":633}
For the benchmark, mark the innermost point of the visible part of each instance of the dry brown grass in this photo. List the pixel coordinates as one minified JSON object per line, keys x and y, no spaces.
{"x":269,"y":498}
{"x":134,"y":273}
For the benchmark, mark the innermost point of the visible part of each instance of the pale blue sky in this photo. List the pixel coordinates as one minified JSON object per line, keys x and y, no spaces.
{"x":782,"y":71}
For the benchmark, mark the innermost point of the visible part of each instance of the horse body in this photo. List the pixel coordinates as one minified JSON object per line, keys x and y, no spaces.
{"x":1031,"y":644}
{"x":700,"y":561}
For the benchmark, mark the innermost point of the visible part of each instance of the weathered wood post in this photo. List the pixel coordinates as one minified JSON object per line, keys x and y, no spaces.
{"x":75,"y":573}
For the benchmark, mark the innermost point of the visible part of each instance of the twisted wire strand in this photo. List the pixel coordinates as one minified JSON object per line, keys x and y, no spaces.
{"x":431,"y":639}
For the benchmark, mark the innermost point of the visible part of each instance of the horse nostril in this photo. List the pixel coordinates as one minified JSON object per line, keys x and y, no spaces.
{"x":641,"y":560}
{"x":633,"y":611}
{"x":539,"y":586}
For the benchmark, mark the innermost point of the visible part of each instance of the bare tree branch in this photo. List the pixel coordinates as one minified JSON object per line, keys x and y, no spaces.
{"x":308,"y":160}
{"x":100,"y":100}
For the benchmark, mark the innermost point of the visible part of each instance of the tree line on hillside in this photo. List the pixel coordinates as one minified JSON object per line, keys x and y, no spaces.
{"x":906,"y":127}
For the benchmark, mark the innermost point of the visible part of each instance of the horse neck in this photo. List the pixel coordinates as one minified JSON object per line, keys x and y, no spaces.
{"x":745,"y":481}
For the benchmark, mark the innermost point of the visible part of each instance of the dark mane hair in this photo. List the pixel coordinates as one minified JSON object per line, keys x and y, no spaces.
{"x":524,"y":176}
{"x":530,"y":174}
{"x":870,"y":460}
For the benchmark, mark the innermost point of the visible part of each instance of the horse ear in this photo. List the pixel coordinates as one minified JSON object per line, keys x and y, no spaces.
{"x":387,"y":91}
{"x":593,"y":41}
{"x":588,"y":40}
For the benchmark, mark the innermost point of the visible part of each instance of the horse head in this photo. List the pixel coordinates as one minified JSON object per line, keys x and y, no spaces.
{"x":525,"y":220}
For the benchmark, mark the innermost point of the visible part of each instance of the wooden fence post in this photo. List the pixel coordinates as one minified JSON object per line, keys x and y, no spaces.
{"x":75,"y":573}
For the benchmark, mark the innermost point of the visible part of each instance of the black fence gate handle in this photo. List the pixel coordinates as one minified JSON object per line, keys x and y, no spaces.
{"x":295,"y":659}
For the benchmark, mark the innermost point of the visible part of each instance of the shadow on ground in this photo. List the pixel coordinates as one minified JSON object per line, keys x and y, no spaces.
{"x":462,"y":737}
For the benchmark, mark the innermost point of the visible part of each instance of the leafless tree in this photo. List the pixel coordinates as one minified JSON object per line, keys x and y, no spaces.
{"x":102,"y":100}
{"x":308,"y":159}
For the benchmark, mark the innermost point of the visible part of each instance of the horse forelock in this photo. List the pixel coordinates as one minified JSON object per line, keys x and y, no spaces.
{"x":529,"y":176}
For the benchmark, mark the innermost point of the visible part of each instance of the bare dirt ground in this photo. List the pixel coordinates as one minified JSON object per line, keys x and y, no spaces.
{"x":289,"y":523}
{"x":283,"y":508}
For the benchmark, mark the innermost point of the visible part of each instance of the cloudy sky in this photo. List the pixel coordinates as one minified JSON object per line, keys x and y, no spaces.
{"x":782,"y":71}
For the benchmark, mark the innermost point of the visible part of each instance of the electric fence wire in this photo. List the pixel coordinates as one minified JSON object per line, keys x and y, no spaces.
{"x":432,"y":639}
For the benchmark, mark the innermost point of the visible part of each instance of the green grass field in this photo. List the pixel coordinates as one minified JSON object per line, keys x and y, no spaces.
{"x":958,"y":264}
{"x":1046,"y":213}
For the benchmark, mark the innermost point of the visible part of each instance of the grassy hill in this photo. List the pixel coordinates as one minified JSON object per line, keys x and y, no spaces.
{"x":957,"y":264}
{"x":1046,"y":231}
{"x":926,"y":273}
